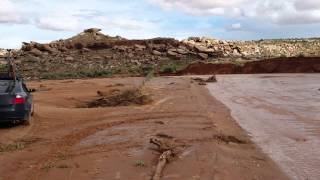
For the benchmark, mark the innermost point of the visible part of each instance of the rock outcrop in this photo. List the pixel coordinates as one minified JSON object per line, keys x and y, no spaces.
{"x":93,"y":51}
{"x":256,"y":49}
{"x":3,"y":53}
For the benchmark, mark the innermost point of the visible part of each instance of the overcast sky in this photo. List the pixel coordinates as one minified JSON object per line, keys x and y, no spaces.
{"x":47,"y":20}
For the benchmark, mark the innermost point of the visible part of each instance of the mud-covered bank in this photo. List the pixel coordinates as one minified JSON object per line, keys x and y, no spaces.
{"x":276,"y":65}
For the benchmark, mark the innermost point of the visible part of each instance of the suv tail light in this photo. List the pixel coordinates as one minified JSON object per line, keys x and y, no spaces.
{"x":19,"y":99}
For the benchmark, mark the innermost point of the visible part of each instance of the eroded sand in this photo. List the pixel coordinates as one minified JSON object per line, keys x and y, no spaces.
{"x":282,"y":114}
{"x":66,"y":142}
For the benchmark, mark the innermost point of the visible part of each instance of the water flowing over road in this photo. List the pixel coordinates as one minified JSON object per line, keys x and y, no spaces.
{"x":282,"y":114}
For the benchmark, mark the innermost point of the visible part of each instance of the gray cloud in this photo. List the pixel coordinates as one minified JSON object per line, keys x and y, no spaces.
{"x":202,"y":7}
{"x":307,"y":4}
{"x":56,"y":23}
{"x":88,"y":13}
{"x":284,"y":12}
{"x":127,"y":24}
{"x":11,"y":14}
{"x":11,"y":18}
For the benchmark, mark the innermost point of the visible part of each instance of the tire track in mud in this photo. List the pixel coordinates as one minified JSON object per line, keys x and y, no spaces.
{"x":68,"y":141}
{"x":13,"y":133}
{"x":84,"y":121}
{"x":64,"y":144}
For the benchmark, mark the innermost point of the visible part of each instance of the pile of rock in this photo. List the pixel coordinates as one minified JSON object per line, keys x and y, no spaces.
{"x":90,"y":38}
{"x":279,"y":48}
{"x":254,"y":49}
{"x":38,"y":49}
{"x":195,"y":47}
{"x":93,"y":50}
{"x":93,"y":39}
{"x":208,"y":47}
{"x":3,"y":53}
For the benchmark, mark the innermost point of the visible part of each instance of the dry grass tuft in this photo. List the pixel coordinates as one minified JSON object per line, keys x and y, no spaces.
{"x":122,"y":98}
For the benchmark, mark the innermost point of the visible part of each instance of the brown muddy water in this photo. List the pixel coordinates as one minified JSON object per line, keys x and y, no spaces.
{"x":281,"y":112}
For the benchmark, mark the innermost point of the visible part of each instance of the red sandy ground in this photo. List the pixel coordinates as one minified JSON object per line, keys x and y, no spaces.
{"x":276,"y":65}
{"x":66,"y":142}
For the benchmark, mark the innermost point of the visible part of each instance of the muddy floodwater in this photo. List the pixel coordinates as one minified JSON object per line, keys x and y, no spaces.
{"x":281,"y":112}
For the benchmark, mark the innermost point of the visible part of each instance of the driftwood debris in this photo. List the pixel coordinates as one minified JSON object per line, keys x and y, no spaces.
{"x":162,"y":145}
{"x":201,"y":81}
{"x":167,"y":153}
{"x":212,"y":79}
{"x":163,"y":160}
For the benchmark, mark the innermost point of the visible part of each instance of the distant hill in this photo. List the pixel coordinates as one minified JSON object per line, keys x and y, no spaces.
{"x":91,"y":54}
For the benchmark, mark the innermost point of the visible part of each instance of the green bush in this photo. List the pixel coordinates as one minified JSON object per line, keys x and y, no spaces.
{"x":147,"y":70}
{"x":172,"y":68}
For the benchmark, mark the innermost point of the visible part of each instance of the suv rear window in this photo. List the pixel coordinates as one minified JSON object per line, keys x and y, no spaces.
{"x":10,"y":85}
{"x":4,"y":86}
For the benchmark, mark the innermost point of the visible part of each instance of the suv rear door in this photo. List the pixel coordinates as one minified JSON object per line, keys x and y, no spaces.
{"x":7,"y":95}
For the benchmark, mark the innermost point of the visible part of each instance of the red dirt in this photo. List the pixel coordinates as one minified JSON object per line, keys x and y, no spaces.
{"x":277,"y":65}
{"x":113,"y":142}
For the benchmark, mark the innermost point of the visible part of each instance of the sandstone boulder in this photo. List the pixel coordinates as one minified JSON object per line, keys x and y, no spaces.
{"x":203,"y":49}
{"x":27,"y":46}
{"x":46,"y":47}
{"x":3,"y":52}
{"x":157,"y":53}
{"x":174,"y":54}
{"x":139,"y":47}
{"x":92,"y":30}
{"x":130,"y":55}
{"x":236,"y":53}
{"x":63,"y":49}
{"x":203,"y":56}
{"x":182,"y":47}
{"x":69,"y":58}
{"x":182,"y":51}
{"x":158,"y":47}
{"x":35,"y":52}
{"x":120,"y":48}
{"x":97,"y":58}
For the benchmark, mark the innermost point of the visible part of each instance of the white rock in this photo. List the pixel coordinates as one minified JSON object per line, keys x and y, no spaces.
{"x":3,"y":52}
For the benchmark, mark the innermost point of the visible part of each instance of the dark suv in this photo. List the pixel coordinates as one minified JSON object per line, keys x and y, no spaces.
{"x":16,"y":102}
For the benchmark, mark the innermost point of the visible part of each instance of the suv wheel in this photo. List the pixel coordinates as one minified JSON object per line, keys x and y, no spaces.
{"x":27,"y":120}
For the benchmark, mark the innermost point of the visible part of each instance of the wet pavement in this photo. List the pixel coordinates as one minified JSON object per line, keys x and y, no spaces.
{"x":281,"y":112}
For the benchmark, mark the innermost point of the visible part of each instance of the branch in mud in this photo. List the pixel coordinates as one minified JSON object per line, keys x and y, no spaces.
{"x":201,"y":81}
{"x":163,"y":160}
{"x":162,"y":145}
{"x":166,"y":148}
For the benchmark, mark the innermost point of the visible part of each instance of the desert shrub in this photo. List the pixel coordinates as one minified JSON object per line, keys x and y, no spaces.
{"x":122,"y":98}
{"x":172,"y":67}
{"x":239,"y":63}
{"x":12,"y":147}
{"x":146,"y":70}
